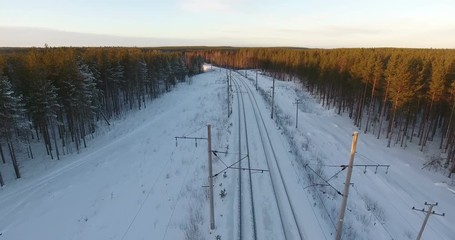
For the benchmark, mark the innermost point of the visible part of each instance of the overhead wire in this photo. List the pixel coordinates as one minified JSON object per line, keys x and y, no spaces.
{"x":180,"y":193}
{"x":328,"y":214}
{"x":372,"y":212}
{"x":144,"y":201}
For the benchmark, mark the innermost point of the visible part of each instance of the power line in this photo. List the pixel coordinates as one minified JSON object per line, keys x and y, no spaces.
{"x":364,"y":165}
{"x":178,"y":200}
{"x":317,"y":174}
{"x":366,"y":158}
{"x":336,"y":174}
{"x":143,"y":202}
{"x":203,"y":126}
{"x":374,"y":215}
{"x":230,"y":166}
{"x":214,"y":153}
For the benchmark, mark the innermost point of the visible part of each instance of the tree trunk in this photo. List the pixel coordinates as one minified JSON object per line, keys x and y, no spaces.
{"x":400,"y":131}
{"x":449,"y":125}
{"x":435,"y":124}
{"x":370,"y":106}
{"x":405,"y":135}
{"x":47,"y":140}
{"x":62,"y":133}
{"x":83,"y":134}
{"x":453,"y":169}
{"x":423,"y":126}
{"x":1,"y":154}
{"x":392,"y":125}
{"x":426,"y":132}
{"x":426,"y":127}
{"x":55,"y":141}
{"x":13,"y":158}
{"x":381,"y":117}
{"x":362,"y":105}
{"x":414,"y":122}
{"x":2,"y":183}
{"x":37,"y":133}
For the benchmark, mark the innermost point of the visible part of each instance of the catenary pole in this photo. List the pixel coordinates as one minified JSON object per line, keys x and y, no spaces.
{"x":273,"y":96}
{"x":297,"y":101}
{"x":256,"y":79}
{"x":228,"y":96}
{"x":212,"y":207}
{"x":346,"y":187}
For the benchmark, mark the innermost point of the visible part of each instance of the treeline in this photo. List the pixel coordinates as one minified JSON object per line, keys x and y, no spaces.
{"x":57,"y":95}
{"x":404,"y":95}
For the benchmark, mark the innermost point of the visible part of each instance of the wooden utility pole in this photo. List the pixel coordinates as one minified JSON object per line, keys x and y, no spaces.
{"x":212,"y":207}
{"x":273,"y":96}
{"x":428,"y":213}
{"x":210,"y":175}
{"x":297,"y":102}
{"x":228,"y":96}
{"x":346,"y":187}
{"x":256,"y":79}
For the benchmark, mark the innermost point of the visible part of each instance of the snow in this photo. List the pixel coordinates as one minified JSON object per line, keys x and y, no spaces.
{"x":134,"y":181}
{"x":327,"y":136}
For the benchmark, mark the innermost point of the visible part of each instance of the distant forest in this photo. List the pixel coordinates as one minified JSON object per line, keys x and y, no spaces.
{"x":404,"y":95}
{"x":56,"y":96}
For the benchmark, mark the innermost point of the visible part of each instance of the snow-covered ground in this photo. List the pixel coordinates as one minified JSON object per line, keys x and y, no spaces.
{"x":380,"y":202}
{"x":134,"y":181}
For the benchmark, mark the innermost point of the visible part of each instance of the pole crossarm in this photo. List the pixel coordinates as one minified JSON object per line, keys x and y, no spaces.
{"x":252,"y":169}
{"x":193,"y":138}
{"x":426,"y":211}
{"x":343,"y":166}
{"x":215,"y":152}
{"x":189,"y":138}
{"x":297,"y":101}
{"x":359,"y":165}
{"x":427,"y":216}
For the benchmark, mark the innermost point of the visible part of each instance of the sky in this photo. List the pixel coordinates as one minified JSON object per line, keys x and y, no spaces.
{"x":245,"y":23}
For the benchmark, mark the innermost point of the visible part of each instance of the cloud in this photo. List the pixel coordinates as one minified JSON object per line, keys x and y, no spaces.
{"x":209,"y":5}
{"x":37,"y":37}
{"x":328,"y":36}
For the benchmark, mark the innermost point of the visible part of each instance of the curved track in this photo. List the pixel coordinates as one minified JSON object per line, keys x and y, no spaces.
{"x":249,"y":183}
{"x":288,"y":223}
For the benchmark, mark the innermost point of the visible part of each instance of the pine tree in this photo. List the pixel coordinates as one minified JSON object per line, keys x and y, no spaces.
{"x":11,"y":118}
{"x":43,"y":106}
{"x":85,"y":101}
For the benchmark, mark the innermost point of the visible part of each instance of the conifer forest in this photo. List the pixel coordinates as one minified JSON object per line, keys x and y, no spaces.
{"x":403,"y":95}
{"x":57,"y":96}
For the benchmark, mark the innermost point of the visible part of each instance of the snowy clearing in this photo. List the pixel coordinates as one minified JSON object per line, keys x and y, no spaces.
{"x":135,"y":181}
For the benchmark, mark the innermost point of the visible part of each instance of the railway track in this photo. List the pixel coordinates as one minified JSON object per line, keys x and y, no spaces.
{"x":287,"y":222}
{"x":248,"y":189}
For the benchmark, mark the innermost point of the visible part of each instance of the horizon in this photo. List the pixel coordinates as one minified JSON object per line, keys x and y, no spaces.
{"x":237,"y":23}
